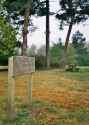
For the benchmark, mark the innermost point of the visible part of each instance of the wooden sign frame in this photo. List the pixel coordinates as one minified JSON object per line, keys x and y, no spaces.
{"x":14,"y":69}
{"x":21,"y":65}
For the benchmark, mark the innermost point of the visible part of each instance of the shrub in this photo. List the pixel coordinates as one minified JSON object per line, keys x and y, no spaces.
{"x":40,"y":62}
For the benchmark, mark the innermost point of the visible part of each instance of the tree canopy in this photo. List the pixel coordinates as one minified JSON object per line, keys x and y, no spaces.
{"x":8,"y":40}
{"x":79,"y":43}
{"x":16,"y":9}
{"x":20,"y":11}
{"x":71,"y":12}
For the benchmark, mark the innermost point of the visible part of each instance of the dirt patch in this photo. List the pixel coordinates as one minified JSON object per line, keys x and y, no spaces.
{"x":63,"y":98}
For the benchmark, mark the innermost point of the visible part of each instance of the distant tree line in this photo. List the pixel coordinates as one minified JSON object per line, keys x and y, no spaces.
{"x":77,"y":53}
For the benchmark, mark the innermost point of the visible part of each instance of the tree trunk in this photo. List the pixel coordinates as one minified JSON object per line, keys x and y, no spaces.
{"x":68,"y":35}
{"x":25,"y":31}
{"x":47,"y":36}
{"x":63,"y":63}
{"x":25,"y":26}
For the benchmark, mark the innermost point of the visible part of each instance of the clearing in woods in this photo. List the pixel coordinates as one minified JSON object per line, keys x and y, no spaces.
{"x":59,"y":98}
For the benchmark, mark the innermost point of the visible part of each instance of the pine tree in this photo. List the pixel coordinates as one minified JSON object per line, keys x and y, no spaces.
{"x":79,"y":43}
{"x":20,"y":11}
{"x":72,"y":12}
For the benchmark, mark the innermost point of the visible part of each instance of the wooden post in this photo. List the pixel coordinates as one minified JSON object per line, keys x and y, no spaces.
{"x":29,"y":90}
{"x":11,"y":91}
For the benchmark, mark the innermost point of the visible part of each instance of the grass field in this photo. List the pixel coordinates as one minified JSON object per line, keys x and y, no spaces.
{"x":59,"y":98}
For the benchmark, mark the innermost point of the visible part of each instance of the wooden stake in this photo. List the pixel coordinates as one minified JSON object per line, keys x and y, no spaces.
{"x":29,"y":90}
{"x":11,"y":91}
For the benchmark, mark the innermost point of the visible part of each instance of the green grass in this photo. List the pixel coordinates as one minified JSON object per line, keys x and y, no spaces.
{"x":82,"y":76}
{"x":43,"y":113}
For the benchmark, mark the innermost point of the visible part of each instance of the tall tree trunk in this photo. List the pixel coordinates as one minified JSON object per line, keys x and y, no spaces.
{"x":25,"y":31}
{"x":47,"y":36}
{"x":68,"y":35}
{"x":25,"y":26}
{"x":63,"y":63}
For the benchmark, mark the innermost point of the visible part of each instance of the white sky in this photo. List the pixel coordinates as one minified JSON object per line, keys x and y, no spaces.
{"x":38,"y":37}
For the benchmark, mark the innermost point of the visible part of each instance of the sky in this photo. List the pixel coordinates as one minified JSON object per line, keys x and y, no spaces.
{"x":38,"y":37}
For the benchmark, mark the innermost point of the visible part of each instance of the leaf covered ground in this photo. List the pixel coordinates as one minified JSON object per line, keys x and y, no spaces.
{"x":59,"y":98}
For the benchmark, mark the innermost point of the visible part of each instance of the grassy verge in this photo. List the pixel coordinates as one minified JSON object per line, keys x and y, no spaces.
{"x":43,"y":113}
